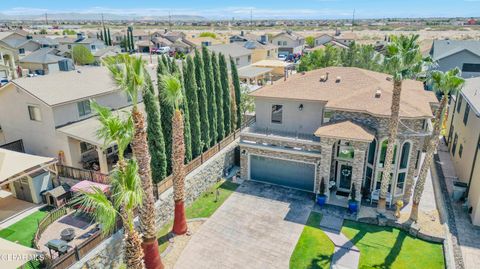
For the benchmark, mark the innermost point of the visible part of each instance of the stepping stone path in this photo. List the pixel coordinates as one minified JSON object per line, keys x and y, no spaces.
{"x":346,"y":254}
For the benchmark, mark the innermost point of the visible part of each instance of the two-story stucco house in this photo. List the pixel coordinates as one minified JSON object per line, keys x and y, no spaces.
{"x":464,"y":54}
{"x":332,"y":124}
{"x":66,"y":44}
{"x":241,"y":56}
{"x":463,"y":140}
{"x":20,"y":43}
{"x":288,"y":42}
{"x":52,"y":115}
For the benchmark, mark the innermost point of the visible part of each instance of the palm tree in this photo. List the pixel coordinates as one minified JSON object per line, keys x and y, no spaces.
{"x":403,"y":60}
{"x":173,"y":95}
{"x":446,"y":84}
{"x":126,"y":186}
{"x":126,"y":196}
{"x":129,"y":74}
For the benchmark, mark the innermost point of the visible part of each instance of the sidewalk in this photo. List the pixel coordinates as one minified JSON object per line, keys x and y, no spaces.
{"x":465,"y":236}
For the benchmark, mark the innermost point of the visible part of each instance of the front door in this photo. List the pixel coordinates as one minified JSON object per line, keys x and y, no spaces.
{"x":344,"y":176}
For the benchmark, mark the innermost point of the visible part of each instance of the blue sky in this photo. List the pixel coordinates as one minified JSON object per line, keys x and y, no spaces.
{"x":317,"y":9}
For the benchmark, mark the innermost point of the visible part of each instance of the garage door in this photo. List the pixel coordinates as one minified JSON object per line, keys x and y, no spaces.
{"x":292,"y":174}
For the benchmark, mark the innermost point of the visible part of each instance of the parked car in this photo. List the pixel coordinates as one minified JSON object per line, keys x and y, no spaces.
{"x":162,"y":50}
{"x":282,"y":57}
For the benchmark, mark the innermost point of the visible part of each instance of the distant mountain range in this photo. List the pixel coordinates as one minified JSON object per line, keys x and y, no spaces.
{"x":97,"y":16}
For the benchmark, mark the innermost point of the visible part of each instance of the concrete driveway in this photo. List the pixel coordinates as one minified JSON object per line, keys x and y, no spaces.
{"x":257,"y":227}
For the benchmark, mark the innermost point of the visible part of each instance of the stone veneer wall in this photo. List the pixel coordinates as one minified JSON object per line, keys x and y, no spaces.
{"x":109,"y":254}
{"x":380,"y":127}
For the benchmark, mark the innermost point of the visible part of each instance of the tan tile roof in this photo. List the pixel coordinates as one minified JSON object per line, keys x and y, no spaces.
{"x":354,"y":92}
{"x":345,"y":130}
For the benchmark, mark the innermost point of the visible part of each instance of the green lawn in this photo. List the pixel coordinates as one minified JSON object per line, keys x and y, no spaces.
{"x":203,"y":207}
{"x":380,"y":247}
{"x":314,"y":249}
{"x":384,"y":247}
{"x":24,"y":230}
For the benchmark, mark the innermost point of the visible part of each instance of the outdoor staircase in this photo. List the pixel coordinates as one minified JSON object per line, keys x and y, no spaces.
{"x":346,"y":255}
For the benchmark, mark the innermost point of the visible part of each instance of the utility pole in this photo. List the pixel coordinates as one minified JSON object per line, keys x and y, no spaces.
{"x":353,"y":19}
{"x":46,"y":19}
{"x":251,"y":20}
{"x":169,"y":21}
{"x":103,"y":23}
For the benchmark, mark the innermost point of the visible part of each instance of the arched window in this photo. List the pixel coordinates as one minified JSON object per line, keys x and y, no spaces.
{"x":405,"y":155}
{"x":383,"y":153}
{"x":371,"y":151}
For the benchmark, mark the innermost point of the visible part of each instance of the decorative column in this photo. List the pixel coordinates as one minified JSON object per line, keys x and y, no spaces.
{"x":13,"y":68}
{"x":411,"y":173}
{"x":102,"y":161}
{"x":360,"y":149}
{"x":326,"y":146}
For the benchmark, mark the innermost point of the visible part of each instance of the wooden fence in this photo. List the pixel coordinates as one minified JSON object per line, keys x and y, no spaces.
{"x":81,"y":174}
{"x":78,"y":252}
{"x":47,"y":220}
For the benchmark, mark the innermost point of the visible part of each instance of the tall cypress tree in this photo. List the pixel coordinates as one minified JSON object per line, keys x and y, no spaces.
{"x":156,"y":143}
{"x":173,"y":66}
{"x":101,"y":35}
{"x":105,"y":36}
{"x":202,"y":100}
{"x":218,"y":97}
{"x":227,"y":112}
{"x":186,"y":118}
{"x":237,"y":91}
{"x":210,"y":89}
{"x":192,"y":101}
{"x":166,"y":62}
{"x":109,"y":39}
{"x":166,"y":110}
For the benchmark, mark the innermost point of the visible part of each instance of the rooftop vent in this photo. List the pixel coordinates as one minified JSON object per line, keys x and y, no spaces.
{"x":339,"y":78}
{"x":324,"y":78}
{"x":378,"y":93}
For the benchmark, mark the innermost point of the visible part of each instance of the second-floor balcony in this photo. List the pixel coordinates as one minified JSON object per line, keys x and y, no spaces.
{"x":254,"y":130}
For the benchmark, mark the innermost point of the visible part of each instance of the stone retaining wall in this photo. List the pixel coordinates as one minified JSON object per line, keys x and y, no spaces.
{"x":109,"y":254}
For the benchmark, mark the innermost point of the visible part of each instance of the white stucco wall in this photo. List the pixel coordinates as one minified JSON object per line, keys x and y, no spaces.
{"x":305,"y":121}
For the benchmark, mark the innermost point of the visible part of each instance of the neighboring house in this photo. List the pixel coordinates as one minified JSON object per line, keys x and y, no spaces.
{"x":23,"y":177}
{"x":22,"y":44}
{"x":464,"y":54}
{"x":92,"y":44}
{"x":463,"y":140}
{"x":53,"y":116}
{"x":204,"y":41}
{"x":259,"y":46}
{"x":8,"y":67}
{"x":332,"y":124}
{"x":46,"y":42}
{"x":240,"y":55}
{"x":44,"y":61}
{"x":288,"y":42}
{"x":340,"y":41}
{"x":105,"y":52}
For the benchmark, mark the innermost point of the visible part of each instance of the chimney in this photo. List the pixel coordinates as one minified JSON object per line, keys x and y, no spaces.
{"x":378,"y":93}
{"x":242,"y":33}
{"x":324,"y":78}
{"x":339,"y":78}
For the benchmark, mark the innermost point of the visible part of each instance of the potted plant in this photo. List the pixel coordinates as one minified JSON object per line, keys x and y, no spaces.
{"x":322,"y":198}
{"x":352,"y":203}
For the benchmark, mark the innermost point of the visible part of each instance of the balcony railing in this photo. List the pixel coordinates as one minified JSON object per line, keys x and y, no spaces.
{"x":297,"y":136}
